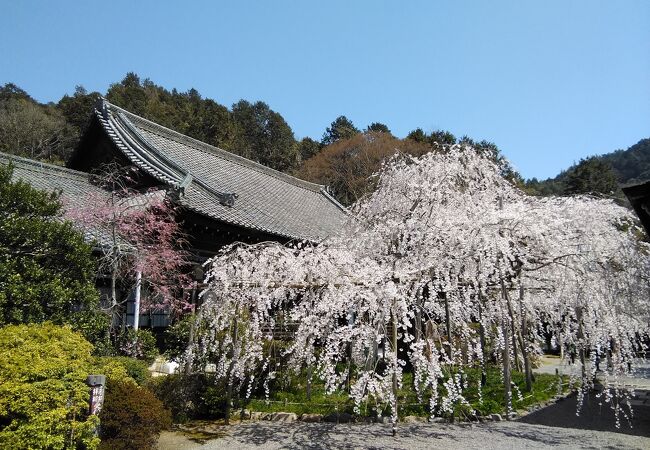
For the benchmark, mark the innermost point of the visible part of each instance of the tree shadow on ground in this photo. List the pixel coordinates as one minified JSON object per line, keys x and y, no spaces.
{"x":325,"y":435}
{"x":595,"y":414}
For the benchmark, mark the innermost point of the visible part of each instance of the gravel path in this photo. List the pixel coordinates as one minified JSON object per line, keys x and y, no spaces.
{"x":498,"y":435}
{"x":554,"y":426}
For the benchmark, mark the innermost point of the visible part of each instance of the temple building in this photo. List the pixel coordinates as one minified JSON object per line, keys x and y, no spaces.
{"x":223,"y":197}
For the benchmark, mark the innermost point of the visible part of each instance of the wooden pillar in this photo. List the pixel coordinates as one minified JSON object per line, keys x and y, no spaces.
{"x":481,"y":331}
{"x":395,"y":403}
{"x":524,"y":333}
{"x":448,"y":325}
{"x":505,"y":329}
{"x":136,"y":303}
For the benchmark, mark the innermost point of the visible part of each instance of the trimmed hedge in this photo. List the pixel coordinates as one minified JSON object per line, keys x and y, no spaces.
{"x":132,"y":417}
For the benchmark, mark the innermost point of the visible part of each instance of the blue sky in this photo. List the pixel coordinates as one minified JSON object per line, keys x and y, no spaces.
{"x":548,"y":81}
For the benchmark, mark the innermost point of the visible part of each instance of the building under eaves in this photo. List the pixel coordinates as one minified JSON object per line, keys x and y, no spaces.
{"x":225,"y":198}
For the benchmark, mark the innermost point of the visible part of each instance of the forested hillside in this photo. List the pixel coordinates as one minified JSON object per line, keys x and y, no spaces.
{"x":602,"y":174}
{"x":345,"y":158}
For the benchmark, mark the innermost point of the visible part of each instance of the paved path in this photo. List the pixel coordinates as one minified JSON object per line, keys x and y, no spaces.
{"x":638,"y":379}
{"x":554,"y":426}
{"x":497,"y":435}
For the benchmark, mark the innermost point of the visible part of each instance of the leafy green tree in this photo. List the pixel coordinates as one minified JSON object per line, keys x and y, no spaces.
{"x":377,"y":127}
{"x":417,"y":135}
{"x":47,"y":271}
{"x":185,"y":112}
{"x":213,"y":124}
{"x":33,"y":130}
{"x":307,"y":148}
{"x":263,"y":136}
{"x":436,"y":138}
{"x":341,"y":128}
{"x":77,"y":108}
{"x":441,"y":137}
{"x":43,"y":394}
{"x":631,"y":165}
{"x":129,"y":94}
{"x":10,"y":90}
{"x":591,"y":176}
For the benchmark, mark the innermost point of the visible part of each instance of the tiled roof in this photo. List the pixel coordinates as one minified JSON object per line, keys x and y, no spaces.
{"x":74,"y":186}
{"x":221,"y":185}
{"x":639,"y":196}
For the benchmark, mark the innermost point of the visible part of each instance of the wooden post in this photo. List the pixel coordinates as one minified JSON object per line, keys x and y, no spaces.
{"x":448,"y":325}
{"x":481,"y":331}
{"x":235,"y":351}
{"x":395,"y":404}
{"x":311,"y":296}
{"x":524,"y":333}
{"x":309,"y":382}
{"x":506,"y":367}
{"x":136,"y":302}
{"x":581,"y":335}
{"x":505,"y":328}
{"x":511,"y":315}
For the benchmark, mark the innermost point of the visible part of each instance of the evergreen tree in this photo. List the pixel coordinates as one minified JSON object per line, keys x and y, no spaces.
{"x":263,"y":136}
{"x":591,"y":176}
{"x":377,"y":127}
{"x":341,"y":128}
{"x":47,"y":271}
{"x":307,"y":148}
{"x":77,"y":108}
{"x":417,"y":135}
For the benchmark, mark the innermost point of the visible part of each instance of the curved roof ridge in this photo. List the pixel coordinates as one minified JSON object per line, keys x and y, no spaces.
{"x":43,"y":166}
{"x":163,"y":131}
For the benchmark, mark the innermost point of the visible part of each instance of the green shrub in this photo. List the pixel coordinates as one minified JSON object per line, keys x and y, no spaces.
{"x":43,"y":393}
{"x":132,"y":417}
{"x":177,"y":337}
{"x":47,"y":270}
{"x":194,"y":396}
{"x":140,"y":344}
{"x":113,"y":366}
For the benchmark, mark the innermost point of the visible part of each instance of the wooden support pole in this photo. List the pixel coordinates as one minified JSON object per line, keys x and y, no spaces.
{"x":581,"y":343}
{"x":448,"y":326}
{"x":481,"y":331}
{"x":524,"y":337}
{"x":395,"y":384}
{"x":507,"y":382}
{"x":189,"y":362}
{"x":136,"y":302}
{"x":233,"y":360}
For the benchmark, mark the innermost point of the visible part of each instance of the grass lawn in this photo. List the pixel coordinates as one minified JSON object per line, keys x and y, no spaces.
{"x":291,"y":396}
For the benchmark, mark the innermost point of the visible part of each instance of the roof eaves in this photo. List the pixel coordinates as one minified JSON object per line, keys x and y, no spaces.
{"x":202,"y":146}
{"x":251,"y":226}
{"x":44,"y":167}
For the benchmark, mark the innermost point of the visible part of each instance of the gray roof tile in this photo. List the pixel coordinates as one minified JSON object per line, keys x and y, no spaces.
{"x":266,"y":200}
